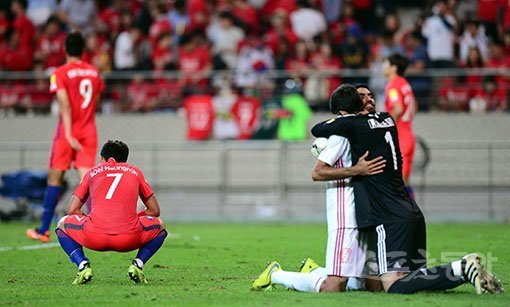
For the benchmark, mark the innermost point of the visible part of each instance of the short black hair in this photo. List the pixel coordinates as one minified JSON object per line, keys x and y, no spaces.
{"x":75,"y":43}
{"x":400,"y":61}
{"x":363,"y":85}
{"x":345,"y":98}
{"x":115,"y":149}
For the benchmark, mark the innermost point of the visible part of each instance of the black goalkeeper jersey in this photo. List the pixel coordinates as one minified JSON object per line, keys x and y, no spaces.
{"x":381,"y":198}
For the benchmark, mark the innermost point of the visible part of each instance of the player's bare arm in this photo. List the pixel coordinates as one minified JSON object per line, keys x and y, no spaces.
{"x":65,"y":111}
{"x":325,"y":172}
{"x":152,"y":206}
{"x":75,"y":205}
{"x":397,"y":111}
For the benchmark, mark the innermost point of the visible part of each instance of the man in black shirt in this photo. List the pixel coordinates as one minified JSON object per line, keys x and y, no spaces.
{"x":383,"y":203}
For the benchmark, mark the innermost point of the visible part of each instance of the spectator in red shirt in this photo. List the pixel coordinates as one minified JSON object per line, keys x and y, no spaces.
{"x":50,"y":47}
{"x":109,"y":18}
{"x":498,"y":59}
{"x":503,"y":17}
{"x":14,"y":55}
{"x":9,"y":97}
{"x":280,"y":30}
{"x":140,"y":95}
{"x":474,"y":61}
{"x":491,"y":97}
{"x":162,"y":56}
{"x":4,"y":26}
{"x":194,"y":62}
{"x":22,"y":24}
{"x":299,"y":64}
{"x":346,"y":25}
{"x":37,"y":97}
{"x":487,"y":12}
{"x":506,"y":43}
{"x":160,"y":25}
{"x":270,"y":7}
{"x":318,"y":88}
{"x":454,"y":95}
{"x":198,"y":12}
{"x":245,"y":12}
{"x":97,"y":52}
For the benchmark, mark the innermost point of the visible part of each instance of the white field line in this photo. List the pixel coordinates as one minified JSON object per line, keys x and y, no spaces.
{"x":29,"y":247}
{"x":171,"y":235}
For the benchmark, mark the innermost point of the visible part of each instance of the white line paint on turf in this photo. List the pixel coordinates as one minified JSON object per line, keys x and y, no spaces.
{"x":171,"y":235}
{"x":28,"y":247}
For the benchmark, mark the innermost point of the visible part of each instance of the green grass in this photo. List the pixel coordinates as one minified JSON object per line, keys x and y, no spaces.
{"x":214,"y":264}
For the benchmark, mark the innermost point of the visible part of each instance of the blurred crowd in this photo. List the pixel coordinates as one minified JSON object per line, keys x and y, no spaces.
{"x":307,"y":39}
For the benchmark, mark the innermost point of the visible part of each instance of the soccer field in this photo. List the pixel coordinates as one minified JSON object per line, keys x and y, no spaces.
{"x":214,"y":264}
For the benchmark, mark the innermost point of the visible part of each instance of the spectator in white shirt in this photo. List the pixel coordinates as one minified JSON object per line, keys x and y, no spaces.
{"x":225,"y":37}
{"x":439,"y":31}
{"x":125,"y":55}
{"x":307,"y":22}
{"x":474,"y":36}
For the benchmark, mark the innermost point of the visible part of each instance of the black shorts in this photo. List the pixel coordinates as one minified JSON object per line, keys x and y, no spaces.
{"x":401,"y":246}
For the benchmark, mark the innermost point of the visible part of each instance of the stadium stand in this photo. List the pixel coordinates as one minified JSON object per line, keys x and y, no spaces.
{"x":154,"y":37}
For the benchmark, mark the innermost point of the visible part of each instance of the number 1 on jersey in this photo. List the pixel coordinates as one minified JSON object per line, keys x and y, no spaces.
{"x":114,"y":185}
{"x":389,"y":140}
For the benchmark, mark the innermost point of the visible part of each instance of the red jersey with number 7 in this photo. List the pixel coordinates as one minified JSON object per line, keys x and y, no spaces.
{"x":399,"y":90}
{"x":113,"y":189}
{"x":83,"y":85}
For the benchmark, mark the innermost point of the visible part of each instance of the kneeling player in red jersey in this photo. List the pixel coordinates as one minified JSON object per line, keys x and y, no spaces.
{"x":112,"y":187}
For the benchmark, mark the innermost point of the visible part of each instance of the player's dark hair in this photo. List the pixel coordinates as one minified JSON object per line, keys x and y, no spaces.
{"x":345,"y":98}
{"x":115,"y":149}
{"x":75,"y":43}
{"x":362,"y":85}
{"x":400,"y":61}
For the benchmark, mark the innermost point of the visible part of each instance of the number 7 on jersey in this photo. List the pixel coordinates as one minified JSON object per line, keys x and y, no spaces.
{"x":114,"y":184}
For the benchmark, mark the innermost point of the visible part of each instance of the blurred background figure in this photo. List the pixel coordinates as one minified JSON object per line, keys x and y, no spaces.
{"x":78,"y":15}
{"x":39,"y":11}
{"x":439,"y":30}
{"x":225,"y":128}
{"x":225,"y":37}
{"x":294,"y":127}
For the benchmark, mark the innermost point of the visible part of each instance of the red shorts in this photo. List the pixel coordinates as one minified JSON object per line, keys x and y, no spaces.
{"x":80,"y":229}
{"x":61,"y":154}
{"x":407,"y":147}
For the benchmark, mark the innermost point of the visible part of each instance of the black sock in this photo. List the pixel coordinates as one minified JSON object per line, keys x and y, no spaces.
{"x":433,"y":279}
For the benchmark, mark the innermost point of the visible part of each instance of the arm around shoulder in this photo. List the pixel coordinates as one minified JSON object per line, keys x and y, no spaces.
{"x":325,"y":172}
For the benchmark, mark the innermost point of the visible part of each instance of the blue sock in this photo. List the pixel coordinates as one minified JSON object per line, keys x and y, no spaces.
{"x":72,"y":249}
{"x":149,"y":249}
{"x":51,"y":197}
{"x":410,"y":191}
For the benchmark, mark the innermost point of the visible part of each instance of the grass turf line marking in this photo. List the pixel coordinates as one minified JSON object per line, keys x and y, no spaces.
{"x":51,"y":245}
{"x":28,"y":247}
